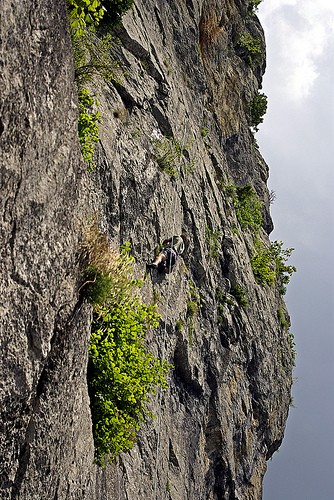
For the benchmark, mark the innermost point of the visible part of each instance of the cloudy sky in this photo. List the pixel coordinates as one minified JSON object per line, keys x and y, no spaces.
{"x":297,"y":141}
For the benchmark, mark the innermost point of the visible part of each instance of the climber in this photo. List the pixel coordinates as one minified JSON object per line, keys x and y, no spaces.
{"x":165,"y":261}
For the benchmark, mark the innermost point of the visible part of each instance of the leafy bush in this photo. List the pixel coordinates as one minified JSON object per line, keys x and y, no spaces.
{"x":122,"y":373}
{"x":92,"y":57}
{"x":88,"y":126}
{"x":192,"y":308}
{"x":284,"y":322}
{"x":84,"y":13}
{"x":269,"y":265}
{"x":250,"y":49}
{"x":283,"y":271}
{"x":179,"y":325}
{"x":204,"y":132}
{"x":263,"y":265}
{"x":258,"y":108}
{"x":168,"y":154}
{"x":247,"y":206}
{"x":240,"y":295}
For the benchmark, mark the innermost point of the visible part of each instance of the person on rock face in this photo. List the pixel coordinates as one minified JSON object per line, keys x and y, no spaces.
{"x":165,"y":261}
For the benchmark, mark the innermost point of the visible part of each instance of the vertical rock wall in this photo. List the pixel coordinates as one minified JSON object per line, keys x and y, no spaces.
{"x":224,"y":412}
{"x":44,"y":328}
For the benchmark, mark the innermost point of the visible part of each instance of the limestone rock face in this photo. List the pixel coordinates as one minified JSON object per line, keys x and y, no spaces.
{"x":44,"y":327}
{"x":184,"y":82}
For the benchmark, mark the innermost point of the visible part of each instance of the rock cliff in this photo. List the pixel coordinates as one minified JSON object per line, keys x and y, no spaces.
{"x":184,"y":80}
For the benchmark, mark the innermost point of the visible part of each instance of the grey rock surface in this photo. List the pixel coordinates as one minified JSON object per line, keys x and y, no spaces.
{"x":44,"y":406}
{"x":224,"y":412}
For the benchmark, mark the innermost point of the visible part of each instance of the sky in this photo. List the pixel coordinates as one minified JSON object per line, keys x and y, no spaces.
{"x":297,"y":141}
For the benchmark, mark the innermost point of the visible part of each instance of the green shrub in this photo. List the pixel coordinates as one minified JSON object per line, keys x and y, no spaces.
{"x":168,"y":154}
{"x":192,"y":308}
{"x":84,"y":13}
{"x":122,"y":373}
{"x":262,"y":265}
{"x":247,"y":206}
{"x":250,"y":49}
{"x":269,"y":265}
{"x":283,"y":271}
{"x":92,"y":57}
{"x":88,"y":127}
{"x":204,"y":132}
{"x":240,"y":295}
{"x":179,"y":325}
{"x":284,"y":322}
{"x":258,"y":108}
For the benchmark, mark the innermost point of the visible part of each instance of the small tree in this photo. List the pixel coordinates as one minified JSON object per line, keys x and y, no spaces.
{"x":250,"y":49}
{"x":258,"y":108}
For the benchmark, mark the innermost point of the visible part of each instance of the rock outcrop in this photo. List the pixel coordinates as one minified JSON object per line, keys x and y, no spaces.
{"x":224,"y":412}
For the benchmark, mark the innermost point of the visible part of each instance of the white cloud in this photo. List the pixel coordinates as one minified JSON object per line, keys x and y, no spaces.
{"x":303,"y":33}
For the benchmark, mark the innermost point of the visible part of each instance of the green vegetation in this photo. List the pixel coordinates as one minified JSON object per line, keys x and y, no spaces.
{"x":179,"y":325}
{"x":92,"y":59}
{"x":115,"y":10}
{"x":240,"y":295}
{"x":258,"y":108}
{"x":192,"y":308}
{"x":250,"y":49}
{"x":204,"y":132}
{"x":222,"y":299}
{"x":212,"y":238}
{"x":283,"y":271}
{"x":122,"y":373}
{"x":193,"y":305}
{"x":270,"y":265}
{"x":84,"y":13}
{"x":263,"y":265}
{"x":88,"y":128}
{"x":169,"y":154}
{"x":247,"y":206}
{"x":284,"y":322}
